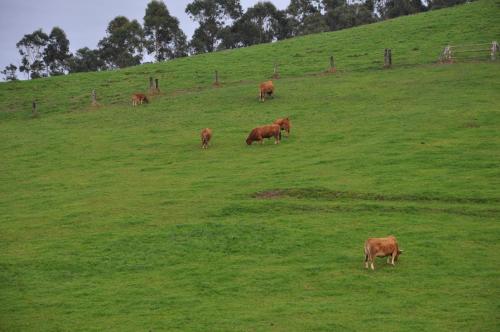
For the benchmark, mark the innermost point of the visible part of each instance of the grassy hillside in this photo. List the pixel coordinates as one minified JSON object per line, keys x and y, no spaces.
{"x":115,"y":219}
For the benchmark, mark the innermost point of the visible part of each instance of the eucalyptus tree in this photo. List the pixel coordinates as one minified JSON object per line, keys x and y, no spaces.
{"x":10,"y":72}
{"x":262,"y":23}
{"x":124,"y":44}
{"x":31,"y":47}
{"x":85,"y":60}
{"x":56,"y":54}
{"x":306,"y":16}
{"x":395,"y":8}
{"x":162,"y":33}
{"x":213,"y":17}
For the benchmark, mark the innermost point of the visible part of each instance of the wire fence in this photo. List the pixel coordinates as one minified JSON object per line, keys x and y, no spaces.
{"x":470,"y":52}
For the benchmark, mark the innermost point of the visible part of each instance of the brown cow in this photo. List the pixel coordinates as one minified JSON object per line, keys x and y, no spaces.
{"x":139,"y":98}
{"x":266,"y":88}
{"x":206,"y":135}
{"x":284,"y":124}
{"x":259,"y":133}
{"x":381,"y":247}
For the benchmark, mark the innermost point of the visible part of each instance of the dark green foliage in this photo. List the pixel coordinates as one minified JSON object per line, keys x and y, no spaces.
{"x":212,"y":17}
{"x":258,"y":25}
{"x":437,"y":4}
{"x":123,"y":45}
{"x":31,"y":47}
{"x":163,"y":36}
{"x":313,"y":24}
{"x":347,"y":16}
{"x":56,"y":54}
{"x":333,"y":4}
{"x":306,"y":16}
{"x":10,"y":72}
{"x":85,"y":60}
{"x":395,"y":8}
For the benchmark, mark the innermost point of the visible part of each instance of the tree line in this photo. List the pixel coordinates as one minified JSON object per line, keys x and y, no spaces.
{"x":222,"y":24}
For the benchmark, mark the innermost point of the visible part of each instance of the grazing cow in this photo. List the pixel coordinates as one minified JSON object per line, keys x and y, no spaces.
{"x":206,"y":135}
{"x":139,"y":98}
{"x":381,"y":247}
{"x":284,"y":125}
{"x":266,"y":88}
{"x":259,"y":133}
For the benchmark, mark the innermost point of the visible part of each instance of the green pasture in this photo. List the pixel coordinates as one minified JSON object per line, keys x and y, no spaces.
{"x":114,"y":219}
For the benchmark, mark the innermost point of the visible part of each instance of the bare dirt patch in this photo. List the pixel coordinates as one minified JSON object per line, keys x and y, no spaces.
{"x":270,"y":194}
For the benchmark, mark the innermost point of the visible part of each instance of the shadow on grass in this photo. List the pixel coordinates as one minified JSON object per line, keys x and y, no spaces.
{"x":329,"y":195}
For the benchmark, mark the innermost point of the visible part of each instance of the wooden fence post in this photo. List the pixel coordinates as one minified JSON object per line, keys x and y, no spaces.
{"x":276,"y":74}
{"x":94,"y":98}
{"x":494,"y":50}
{"x":332,"y":65}
{"x":34,"y":112}
{"x":387,"y":58}
{"x":151,"y":83}
{"x":216,"y":83}
{"x":157,"y":86}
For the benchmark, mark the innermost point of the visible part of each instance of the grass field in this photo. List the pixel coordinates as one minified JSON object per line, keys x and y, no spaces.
{"x":115,"y":219}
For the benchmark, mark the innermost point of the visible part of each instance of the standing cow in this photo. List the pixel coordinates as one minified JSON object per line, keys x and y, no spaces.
{"x":284,"y":124}
{"x":259,"y":133}
{"x":381,"y":247}
{"x":206,"y":135}
{"x":139,"y":98}
{"x":266,"y":88}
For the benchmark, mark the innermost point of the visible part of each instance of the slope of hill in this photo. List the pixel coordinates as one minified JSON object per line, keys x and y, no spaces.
{"x":417,"y":39}
{"x":115,"y":219}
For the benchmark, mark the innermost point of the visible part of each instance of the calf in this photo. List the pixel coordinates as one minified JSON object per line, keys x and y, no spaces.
{"x":206,"y":135}
{"x":266,"y":88}
{"x":259,"y":133}
{"x":139,"y":98}
{"x":381,"y":247}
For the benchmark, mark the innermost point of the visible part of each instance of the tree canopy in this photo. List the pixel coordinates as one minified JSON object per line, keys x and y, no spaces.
{"x":163,"y":36}
{"x":31,"y":48}
{"x":123,"y":45}
{"x":56,"y":54}
{"x":213,"y":17}
{"x":222,"y":24}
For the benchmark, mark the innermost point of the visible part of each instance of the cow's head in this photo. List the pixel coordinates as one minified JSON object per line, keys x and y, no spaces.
{"x":397,"y":256}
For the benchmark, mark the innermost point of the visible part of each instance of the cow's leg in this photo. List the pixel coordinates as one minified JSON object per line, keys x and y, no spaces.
{"x":372,"y":266}
{"x":393,"y":256}
{"x":366,"y":261}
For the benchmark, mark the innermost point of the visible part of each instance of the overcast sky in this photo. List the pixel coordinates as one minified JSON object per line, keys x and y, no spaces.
{"x":84,"y":21}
